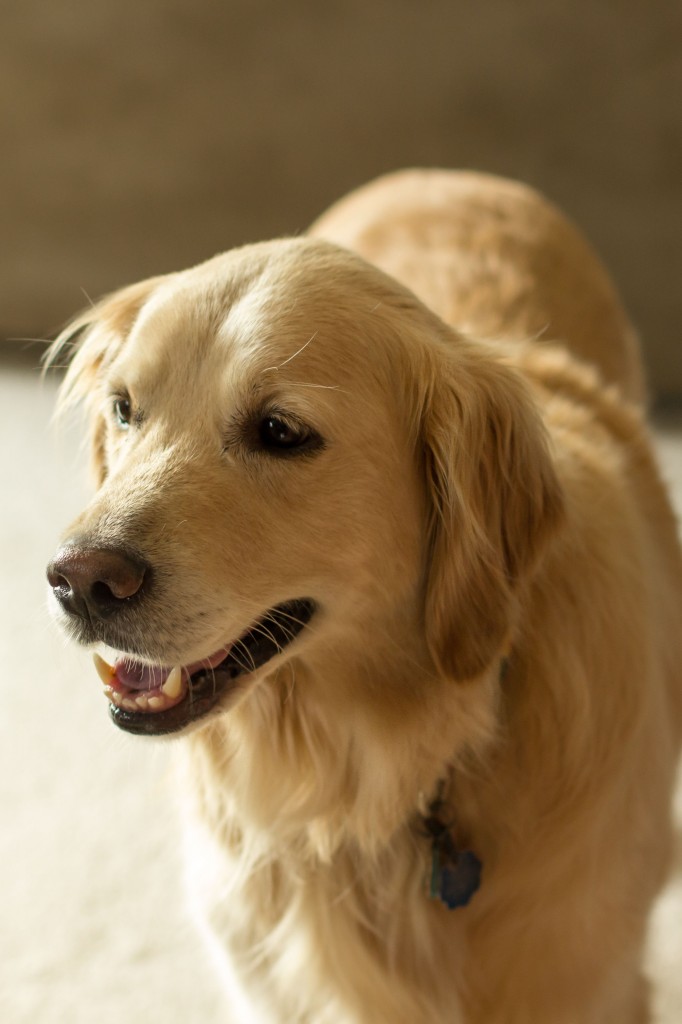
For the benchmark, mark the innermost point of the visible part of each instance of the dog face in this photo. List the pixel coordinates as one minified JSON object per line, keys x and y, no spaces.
{"x":292,"y":453}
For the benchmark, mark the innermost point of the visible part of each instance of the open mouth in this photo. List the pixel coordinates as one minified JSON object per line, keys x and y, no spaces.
{"x":152,"y":700}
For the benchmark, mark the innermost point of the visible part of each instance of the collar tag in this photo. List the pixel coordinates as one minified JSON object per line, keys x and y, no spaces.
{"x":455,"y":874}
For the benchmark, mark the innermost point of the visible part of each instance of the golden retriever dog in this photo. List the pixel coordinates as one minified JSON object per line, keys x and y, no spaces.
{"x":379,"y":532}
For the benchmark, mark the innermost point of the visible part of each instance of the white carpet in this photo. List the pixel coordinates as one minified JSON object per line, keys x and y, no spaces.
{"x":92,"y":923}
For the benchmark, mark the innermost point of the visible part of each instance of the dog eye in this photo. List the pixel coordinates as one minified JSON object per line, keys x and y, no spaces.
{"x":274,"y":432}
{"x":122,"y":411}
{"x":280,"y":435}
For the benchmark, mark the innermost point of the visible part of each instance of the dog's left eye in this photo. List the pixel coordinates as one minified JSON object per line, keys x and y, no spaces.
{"x":122,"y":411}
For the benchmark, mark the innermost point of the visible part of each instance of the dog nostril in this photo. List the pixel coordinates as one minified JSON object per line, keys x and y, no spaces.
{"x":102,"y":593}
{"x":95,"y":582}
{"x":119,"y":578}
{"x":56,"y":581}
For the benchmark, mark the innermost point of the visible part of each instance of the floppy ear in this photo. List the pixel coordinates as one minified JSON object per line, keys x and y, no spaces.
{"x":494,"y":499}
{"x":87,"y":345}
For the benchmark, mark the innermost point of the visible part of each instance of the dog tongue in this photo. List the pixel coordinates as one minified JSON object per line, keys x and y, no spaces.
{"x":136,"y":676}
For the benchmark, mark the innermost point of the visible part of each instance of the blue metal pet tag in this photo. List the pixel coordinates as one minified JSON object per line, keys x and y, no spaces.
{"x":455,"y":875}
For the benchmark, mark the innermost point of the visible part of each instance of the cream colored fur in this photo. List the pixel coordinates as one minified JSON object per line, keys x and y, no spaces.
{"x":476,"y":501}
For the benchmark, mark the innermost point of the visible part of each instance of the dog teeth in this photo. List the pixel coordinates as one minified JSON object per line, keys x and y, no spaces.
{"x":105,"y":671}
{"x":173,"y":684}
{"x":166,"y":696}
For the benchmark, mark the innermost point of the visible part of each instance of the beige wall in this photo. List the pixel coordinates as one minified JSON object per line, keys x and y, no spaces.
{"x":139,"y":136}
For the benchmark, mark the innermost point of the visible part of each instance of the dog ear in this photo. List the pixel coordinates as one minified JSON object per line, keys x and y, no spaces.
{"x":87,"y":345}
{"x":495,"y":500}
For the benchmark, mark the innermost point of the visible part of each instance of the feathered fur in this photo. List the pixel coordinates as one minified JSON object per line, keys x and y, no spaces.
{"x":499,"y":583}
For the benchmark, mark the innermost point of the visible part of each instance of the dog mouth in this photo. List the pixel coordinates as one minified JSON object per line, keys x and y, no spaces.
{"x":151,"y":700}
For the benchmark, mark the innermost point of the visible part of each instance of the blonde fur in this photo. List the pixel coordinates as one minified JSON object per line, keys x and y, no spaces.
{"x":478,"y":504}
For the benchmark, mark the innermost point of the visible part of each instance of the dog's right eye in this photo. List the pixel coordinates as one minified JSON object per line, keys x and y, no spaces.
{"x":275,"y":432}
{"x":283,"y":435}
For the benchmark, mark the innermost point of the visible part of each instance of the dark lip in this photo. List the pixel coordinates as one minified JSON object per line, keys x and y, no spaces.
{"x":269,"y":636}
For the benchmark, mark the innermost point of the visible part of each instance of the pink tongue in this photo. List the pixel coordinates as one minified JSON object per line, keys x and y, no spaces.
{"x":136,"y":676}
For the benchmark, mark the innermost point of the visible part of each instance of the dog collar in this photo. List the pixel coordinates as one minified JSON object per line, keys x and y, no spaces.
{"x":455,"y":875}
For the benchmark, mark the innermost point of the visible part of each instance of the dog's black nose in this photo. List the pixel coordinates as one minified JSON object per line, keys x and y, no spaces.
{"x":95,"y":583}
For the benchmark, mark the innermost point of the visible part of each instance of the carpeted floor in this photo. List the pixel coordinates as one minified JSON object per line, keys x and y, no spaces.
{"x":92,"y":922}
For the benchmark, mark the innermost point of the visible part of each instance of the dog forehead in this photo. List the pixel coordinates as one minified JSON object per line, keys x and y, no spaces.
{"x":269,"y":329}
{"x":174,"y":333}
{"x":306,"y":309}
{"x":313,"y":313}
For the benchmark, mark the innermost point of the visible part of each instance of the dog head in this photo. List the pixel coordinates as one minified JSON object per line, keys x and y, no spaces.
{"x":292,"y":454}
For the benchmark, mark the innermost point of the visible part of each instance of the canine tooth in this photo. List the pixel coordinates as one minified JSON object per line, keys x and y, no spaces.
{"x":105,"y":671}
{"x":173,"y":684}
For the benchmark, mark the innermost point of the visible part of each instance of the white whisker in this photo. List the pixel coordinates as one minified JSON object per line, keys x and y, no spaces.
{"x":297,"y":353}
{"x":325,"y":387}
{"x":292,"y":687}
{"x":239,"y":644}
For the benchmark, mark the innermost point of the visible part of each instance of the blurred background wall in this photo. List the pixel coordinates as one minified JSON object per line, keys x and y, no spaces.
{"x":140,"y":136}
